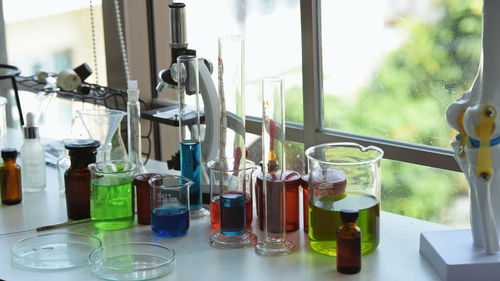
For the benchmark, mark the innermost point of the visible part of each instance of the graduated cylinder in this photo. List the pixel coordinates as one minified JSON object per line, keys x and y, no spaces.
{"x":187,"y":77}
{"x":273,"y":170}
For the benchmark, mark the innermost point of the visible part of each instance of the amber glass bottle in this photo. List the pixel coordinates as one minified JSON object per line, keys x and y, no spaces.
{"x":77,"y":177}
{"x":349,"y":243}
{"x":10,"y":178}
{"x":143,"y":191}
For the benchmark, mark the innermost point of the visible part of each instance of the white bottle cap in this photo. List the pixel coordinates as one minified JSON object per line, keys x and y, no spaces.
{"x":133,"y":91}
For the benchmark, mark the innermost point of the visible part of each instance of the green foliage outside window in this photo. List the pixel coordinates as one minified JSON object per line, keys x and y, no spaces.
{"x":406,"y":100}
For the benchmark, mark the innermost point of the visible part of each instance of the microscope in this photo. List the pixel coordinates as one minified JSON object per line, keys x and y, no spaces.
{"x":209,"y":113}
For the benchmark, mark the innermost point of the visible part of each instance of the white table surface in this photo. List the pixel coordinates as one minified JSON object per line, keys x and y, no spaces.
{"x":396,"y":258}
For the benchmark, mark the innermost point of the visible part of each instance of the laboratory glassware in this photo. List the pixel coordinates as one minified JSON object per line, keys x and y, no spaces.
{"x":273,"y":167}
{"x":63,"y":163}
{"x":189,"y":130}
{"x":102,"y":125}
{"x":170,"y":200}
{"x":32,"y":157}
{"x":54,"y":251}
{"x":112,"y":194}
{"x":82,"y":152}
{"x":215,"y":193}
{"x":232,"y":204}
{"x":11,"y":188}
{"x":143,"y":193}
{"x":305,"y":202}
{"x":3,"y":119}
{"x":292,"y":183}
{"x":343,"y":176}
{"x":134,"y":127}
{"x":348,"y":243}
{"x":132,"y":261}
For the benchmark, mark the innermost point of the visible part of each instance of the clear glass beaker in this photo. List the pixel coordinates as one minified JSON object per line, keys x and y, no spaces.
{"x":112,"y":194}
{"x":343,"y":176}
{"x":233,"y":202}
{"x":170,"y":205}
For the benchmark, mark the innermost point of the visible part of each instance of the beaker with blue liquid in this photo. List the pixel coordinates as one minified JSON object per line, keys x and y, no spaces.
{"x":170,"y":205}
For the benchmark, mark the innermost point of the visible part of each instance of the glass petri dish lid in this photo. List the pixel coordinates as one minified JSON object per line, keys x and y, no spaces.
{"x":132,"y":261}
{"x":53,"y":251}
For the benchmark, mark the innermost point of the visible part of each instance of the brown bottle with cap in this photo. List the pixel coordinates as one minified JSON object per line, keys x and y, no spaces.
{"x":10,"y":172}
{"x":348,"y":243}
{"x":82,"y":152}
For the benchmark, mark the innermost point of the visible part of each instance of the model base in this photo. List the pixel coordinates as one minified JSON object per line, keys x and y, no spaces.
{"x":454,"y":257}
{"x":222,"y":241}
{"x":274,"y":248}
{"x":200,"y":213}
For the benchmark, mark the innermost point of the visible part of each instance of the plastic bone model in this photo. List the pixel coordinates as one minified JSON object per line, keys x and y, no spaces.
{"x":477,"y":147}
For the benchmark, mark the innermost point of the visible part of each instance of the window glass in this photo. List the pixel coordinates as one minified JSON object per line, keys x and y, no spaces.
{"x":272,"y":43}
{"x":425,"y":193}
{"x":391,"y":67}
{"x":53,"y":35}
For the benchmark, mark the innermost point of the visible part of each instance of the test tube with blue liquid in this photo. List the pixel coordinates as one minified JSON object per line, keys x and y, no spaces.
{"x":170,"y":205}
{"x":228,"y":172}
{"x":187,"y":77}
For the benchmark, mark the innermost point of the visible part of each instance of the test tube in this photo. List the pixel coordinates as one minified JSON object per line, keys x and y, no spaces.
{"x":187,"y":77}
{"x":273,"y":170}
{"x":229,"y":170}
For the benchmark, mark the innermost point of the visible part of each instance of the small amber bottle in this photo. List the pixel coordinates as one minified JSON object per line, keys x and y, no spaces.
{"x":11,"y":178}
{"x":348,"y":243}
{"x":82,"y":152}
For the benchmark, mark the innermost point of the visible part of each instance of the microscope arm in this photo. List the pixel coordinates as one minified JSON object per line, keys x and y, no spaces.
{"x":210,"y":142}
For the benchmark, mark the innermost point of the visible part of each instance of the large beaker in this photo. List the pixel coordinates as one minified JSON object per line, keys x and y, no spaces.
{"x":343,"y":176}
{"x":102,"y":125}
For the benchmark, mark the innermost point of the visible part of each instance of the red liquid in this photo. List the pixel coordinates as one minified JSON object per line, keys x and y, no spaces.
{"x":291,"y":201}
{"x":215,"y":211}
{"x":143,"y":191}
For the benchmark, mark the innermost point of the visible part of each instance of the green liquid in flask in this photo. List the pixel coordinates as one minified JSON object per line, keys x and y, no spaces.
{"x":111,"y":203}
{"x":324,"y":220}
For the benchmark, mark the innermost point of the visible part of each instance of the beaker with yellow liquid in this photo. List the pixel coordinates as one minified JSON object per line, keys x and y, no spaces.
{"x":343,"y":176}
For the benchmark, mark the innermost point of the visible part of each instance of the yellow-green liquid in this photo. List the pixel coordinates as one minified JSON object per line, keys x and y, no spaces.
{"x":324,"y":220}
{"x":111,"y":204}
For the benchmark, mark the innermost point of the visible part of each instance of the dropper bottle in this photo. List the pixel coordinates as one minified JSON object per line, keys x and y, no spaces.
{"x":134,"y":127}
{"x":32,"y":158}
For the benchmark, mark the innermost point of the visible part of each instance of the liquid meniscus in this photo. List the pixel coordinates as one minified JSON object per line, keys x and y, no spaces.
{"x":324,"y":220}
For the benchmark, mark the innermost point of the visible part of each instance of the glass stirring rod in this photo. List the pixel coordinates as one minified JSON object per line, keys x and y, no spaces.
{"x":48,"y":227}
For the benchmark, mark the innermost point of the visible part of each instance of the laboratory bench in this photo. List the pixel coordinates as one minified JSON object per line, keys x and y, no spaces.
{"x":396,"y":258}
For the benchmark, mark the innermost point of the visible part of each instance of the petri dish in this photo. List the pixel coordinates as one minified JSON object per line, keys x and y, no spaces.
{"x":53,"y":251}
{"x":132,"y":261}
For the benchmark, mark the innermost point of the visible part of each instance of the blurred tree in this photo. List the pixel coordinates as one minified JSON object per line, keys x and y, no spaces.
{"x":406,"y":100}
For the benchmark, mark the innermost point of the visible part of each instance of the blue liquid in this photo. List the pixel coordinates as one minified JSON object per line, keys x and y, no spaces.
{"x":190,"y":168}
{"x":170,"y":221}
{"x":232,"y":213}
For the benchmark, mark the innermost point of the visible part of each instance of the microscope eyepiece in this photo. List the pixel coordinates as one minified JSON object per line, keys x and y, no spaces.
{"x":178,"y":38}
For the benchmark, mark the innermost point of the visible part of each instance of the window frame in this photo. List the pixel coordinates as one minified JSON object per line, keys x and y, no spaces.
{"x":312,"y":131}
